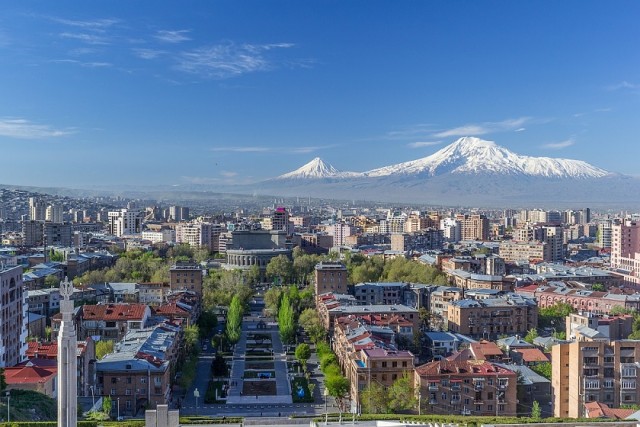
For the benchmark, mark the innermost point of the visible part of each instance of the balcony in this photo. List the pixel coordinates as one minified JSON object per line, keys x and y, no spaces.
{"x":433,"y":388}
{"x":433,"y":402}
{"x":456,"y":387}
{"x":455,"y":401}
{"x":478,"y":386}
{"x":478,"y":402}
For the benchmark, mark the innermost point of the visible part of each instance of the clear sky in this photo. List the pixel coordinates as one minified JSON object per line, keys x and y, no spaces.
{"x":144,"y":92}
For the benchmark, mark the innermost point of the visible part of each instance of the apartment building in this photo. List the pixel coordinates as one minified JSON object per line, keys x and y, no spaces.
{"x":419,"y":241}
{"x":126,"y":222}
{"x":186,"y":276}
{"x":473,"y":227}
{"x":112,"y":321}
{"x":13,"y":316}
{"x":625,"y":250}
{"x":138,"y":373}
{"x":377,"y":365}
{"x":594,"y":371}
{"x":199,"y":234}
{"x":580,"y":299}
{"x":466,"y":387}
{"x":492,"y":317}
{"x":330,"y":277}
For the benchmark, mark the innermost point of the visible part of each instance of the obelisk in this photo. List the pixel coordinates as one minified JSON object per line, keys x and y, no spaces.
{"x":67,"y":360}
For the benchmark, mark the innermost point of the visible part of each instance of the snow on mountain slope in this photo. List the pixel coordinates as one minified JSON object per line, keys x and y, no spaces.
{"x":474,"y":155}
{"x":316,"y":169}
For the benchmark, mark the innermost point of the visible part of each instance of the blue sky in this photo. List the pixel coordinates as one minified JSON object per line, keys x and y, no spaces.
{"x":144,"y":92}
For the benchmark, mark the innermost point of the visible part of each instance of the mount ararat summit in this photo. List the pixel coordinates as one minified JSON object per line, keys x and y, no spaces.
{"x":470,"y":171}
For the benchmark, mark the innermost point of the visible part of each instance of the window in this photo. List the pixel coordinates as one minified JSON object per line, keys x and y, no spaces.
{"x":113,"y":391}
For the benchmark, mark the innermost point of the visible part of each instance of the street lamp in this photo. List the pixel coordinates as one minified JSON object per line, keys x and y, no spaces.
{"x":196,"y":394}
{"x":419,"y":402}
{"x":93,"y":397}
{"x":118,"y":409}
{"x":326,"y":412}
{"x":8,"y":406}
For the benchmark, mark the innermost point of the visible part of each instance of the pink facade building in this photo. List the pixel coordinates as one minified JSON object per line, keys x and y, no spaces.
{"x":625,"y":250}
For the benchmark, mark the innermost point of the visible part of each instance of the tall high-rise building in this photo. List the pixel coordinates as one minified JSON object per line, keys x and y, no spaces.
{"x":13,"y":319}
{"x":625,"y":249}
{"x":37,"y":209}
{"x":603,"y":235}
{"x":54,"y":213}
{"x":32,"y":233}
{"x":474,"y":227}
{"x":125,"y":222}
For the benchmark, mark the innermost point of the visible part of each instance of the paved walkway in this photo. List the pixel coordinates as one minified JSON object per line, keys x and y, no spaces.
{"x":283,"y":389}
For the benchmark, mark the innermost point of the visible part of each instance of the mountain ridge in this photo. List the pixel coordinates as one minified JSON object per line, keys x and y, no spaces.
{"x":467,"y":155}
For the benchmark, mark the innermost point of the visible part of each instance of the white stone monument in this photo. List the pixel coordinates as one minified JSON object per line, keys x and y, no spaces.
{"x":67,"y":360}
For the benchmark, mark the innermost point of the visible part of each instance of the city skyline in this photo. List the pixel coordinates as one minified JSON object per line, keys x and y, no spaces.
{"x":224,"y":92}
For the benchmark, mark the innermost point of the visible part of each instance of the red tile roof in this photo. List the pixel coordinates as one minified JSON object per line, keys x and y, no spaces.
{"x":602,"y":410}
{"x":171,"y":309}
{"x":28,"y":375}
{"x":114,"y":312}
{"x":532,"y":355}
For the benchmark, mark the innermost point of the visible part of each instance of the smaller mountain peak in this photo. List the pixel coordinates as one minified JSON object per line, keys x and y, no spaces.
{"x":316,"y":168}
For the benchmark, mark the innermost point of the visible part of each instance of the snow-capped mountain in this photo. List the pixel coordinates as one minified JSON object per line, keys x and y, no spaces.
{"x":469,"y":171}
{"x":316,"y":169}
{"x":474,"y":155}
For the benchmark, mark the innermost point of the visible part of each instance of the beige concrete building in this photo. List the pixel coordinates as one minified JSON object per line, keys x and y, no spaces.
{"x":590,"y":371}
{"x":492,"y":317}
{"x":377,"y":365}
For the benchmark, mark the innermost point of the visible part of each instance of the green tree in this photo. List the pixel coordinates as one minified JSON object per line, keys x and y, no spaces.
{"x":374,"y":399}
{"x":543,"y":369}
{"x":103,"y":347}
{"x":272,"y":300}
{"x":106,"y":404}
{"x":234,"y":320}
{"x":303,"y":353}
{"x":3,"y":380}
{"x":206,"y":322}
{"x":598,"y":287}
{"x":253,"y":275}
{"x":536,"y":412}
{"x":280,"y":269}
{"x":401,"y":394}
{"x":554,"y":316}
{"x":310,"y":321}
{"x":221,"y":286}
{"x":191,"y":337}
{"x":56,"y":256}
{"x":531,"y":335}
{"x":286,"y":321}
{"x":51,"y":281}
{"x":338,"y":387}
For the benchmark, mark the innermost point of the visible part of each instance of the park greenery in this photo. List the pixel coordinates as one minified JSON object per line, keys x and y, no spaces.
{"x":337,"y":385}
{"x":286,"y":321}
{"x":379,"y":399}
{"x":303,"y":353}
{"x":234,"y":320}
